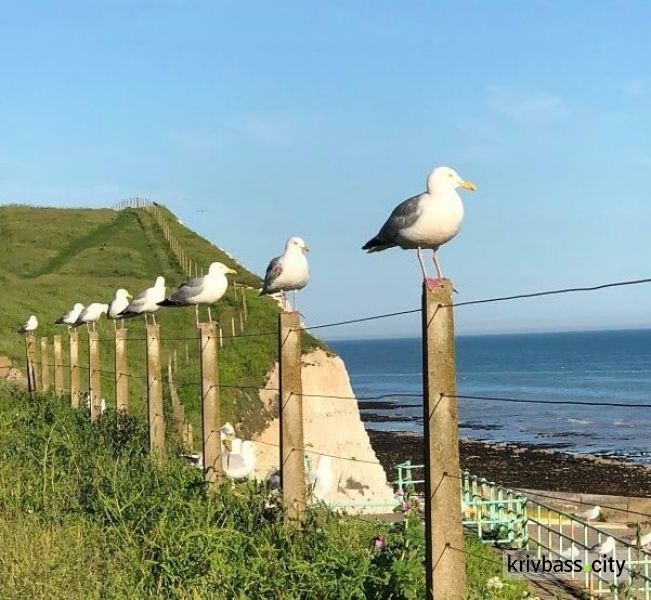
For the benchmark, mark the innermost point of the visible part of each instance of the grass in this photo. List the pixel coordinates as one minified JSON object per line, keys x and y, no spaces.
{"x":86,"y":513}
{"x":61,"y":256}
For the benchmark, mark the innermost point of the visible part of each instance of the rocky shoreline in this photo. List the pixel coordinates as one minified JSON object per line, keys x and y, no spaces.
{"x":522,"y":466}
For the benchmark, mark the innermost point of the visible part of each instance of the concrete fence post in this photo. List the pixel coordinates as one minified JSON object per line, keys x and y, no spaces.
{"x":155,"y":392}
{"x":292,"y":461}
{"x":121,"y":371}
{"x":445,"y":568}
{"x":94,"y":376}
{"x":210,"y":404}
{"x":74,"y":369}
{"x":58,"y":366}
{"x":45,"y":365}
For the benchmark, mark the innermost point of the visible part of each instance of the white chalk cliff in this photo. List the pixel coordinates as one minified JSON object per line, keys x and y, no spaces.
{"x":330,"y":427}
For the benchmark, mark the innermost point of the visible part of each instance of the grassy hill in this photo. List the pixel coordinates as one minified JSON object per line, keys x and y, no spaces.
{"x":60,"y":256}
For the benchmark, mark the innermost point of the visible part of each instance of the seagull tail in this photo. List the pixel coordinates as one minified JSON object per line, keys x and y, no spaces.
{"x":59,"y":321}
{"x":376,"y":244}
{"x":170,"y":302}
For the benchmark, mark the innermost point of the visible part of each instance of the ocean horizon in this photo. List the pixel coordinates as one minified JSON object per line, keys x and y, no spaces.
{"x":597,"y":366}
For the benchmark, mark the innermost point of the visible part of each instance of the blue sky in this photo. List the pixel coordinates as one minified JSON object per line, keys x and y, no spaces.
{"x":281,"y":118}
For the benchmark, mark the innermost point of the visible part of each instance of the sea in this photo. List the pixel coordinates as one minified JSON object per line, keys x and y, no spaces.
{"x":595,"y":366}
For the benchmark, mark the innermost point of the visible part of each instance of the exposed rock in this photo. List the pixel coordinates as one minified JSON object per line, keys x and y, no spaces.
{"x":333,"y":427}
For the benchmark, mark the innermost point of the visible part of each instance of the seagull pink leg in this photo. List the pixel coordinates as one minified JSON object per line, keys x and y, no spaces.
{"x":430,"y":283}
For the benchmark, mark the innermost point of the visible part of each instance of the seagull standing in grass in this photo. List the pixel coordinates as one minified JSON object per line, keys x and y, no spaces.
{"x":91,"y":314}
{"x":146,"y":302}
{"x":70,"y":318}
{"x":204,"y":290}
{"x":30,"y":325}
{"x":288,"y":272}
{"x":427,"y":220}
{"x":119,"y":303}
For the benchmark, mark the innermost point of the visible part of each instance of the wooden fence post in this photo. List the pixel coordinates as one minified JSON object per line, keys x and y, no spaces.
{"x":30,"y":359}
{"x":292,"y":460}
{"x":58,"y":366}
{"x":210,"y":404}
{"x":155,"y":392}
{"x":444,"y":559}
{"x":245,"y":308}
{"x":121,"y":371}
{"x":178,"y":410}
{"x":74,"y":369}
{"x":45,"y":365}
{"x":94,"y":376}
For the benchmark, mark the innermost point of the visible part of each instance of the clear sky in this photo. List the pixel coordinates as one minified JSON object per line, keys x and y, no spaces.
{"x":259,"y":120}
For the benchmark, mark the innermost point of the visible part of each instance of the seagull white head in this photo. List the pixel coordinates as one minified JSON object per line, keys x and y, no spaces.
{"x":78,"y":307}
{"x":296,"y":243}
{"x":122,"y":294}
{"x":218,"y":268}
{"x":160,"y":281}
{"x":443,"y":179}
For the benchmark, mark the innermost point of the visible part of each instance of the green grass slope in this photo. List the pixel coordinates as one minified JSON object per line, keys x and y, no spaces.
{"x":57,"y":257}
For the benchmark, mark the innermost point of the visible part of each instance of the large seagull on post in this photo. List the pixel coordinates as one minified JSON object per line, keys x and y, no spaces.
{"x":425,"y":221}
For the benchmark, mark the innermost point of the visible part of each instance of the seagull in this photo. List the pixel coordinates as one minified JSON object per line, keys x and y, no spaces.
{"x":590,"y":514}
{"x":428,"y":220}
{"x":289,"y":272}
{"x":147,"y":301}
{"x":201,"y":290}
{"x":571,"y":552}
{"x":70,"y":318}
{"x":91,"y":314}
{"x":321,"y":478}
{"x":605,"y":547}
{"x":30,"y":325}
{"x":117,"y":305}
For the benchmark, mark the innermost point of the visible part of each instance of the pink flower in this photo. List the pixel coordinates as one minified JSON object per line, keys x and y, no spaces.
{"x":405,"y":506}
{"x":379,"y":542}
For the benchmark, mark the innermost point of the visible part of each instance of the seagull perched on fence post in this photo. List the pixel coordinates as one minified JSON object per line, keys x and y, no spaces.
{"x":288,"y":272}
{"x":146,"y":301}
{"x":70,"y":318}
{"x":30,"y":325}
{"x":427,"y":220}
{"x":119,"y":303}
{"x":91,"y":314}
{"x":201,"y":290}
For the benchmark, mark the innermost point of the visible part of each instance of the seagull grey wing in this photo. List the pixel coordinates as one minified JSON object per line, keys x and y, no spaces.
{"x":403,"y":216}
{"x":274,"y":271}
{"x":188,"y":289}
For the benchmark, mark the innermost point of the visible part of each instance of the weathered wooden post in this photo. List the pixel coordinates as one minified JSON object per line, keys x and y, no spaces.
{"x":155,"y":392}
{"x":178,"y":410}
{"x":445,"y":567}
{"x":245,"y":308}
{"x":74,"y":369}
{"x":45,"y":365}
{"x":121,"y":371}
{"x":210,"y":404}
{"x":292,"y":465}
{"x":58,"y":366}
{"x":30,"y":359}
{"x":94,"y":376}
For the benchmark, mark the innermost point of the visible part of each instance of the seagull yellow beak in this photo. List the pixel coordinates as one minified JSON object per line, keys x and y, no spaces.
{"x":130,"y":296}
{"x":468,"y":185}
{"x":231,"y":271}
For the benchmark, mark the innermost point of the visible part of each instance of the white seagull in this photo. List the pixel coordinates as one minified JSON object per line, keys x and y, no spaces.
{"x":605,"y":547}
{"x":428,"y":220}
{"x":146,"y":302}
{"x":322,"y":478}
{"x":289,"y":272}
{"x":591,"y":514}
{"x":204,"y":290}
{"x":30,"y":325}
{"x":91,"y":314}
{"x":70,"y":318}
{"x":119,"y":303}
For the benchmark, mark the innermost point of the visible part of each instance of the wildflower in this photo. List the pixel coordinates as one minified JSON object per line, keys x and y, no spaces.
{"x":379,"y":542}
{"x":405,"y":506}
{"x":494,"y":583}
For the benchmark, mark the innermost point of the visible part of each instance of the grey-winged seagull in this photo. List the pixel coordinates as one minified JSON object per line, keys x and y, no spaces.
{"x":428,"y":220}
{"x":30,"y":325}
{"x":91,"y":314}
{"x":146,"y":302}
{"x":288,"y":272}
{"x":119,"y":303}
{"x":70,"y":318}
{"x":205,"y":290}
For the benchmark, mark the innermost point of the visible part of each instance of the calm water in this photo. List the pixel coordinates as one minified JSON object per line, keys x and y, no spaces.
{"x":608,"y":366}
